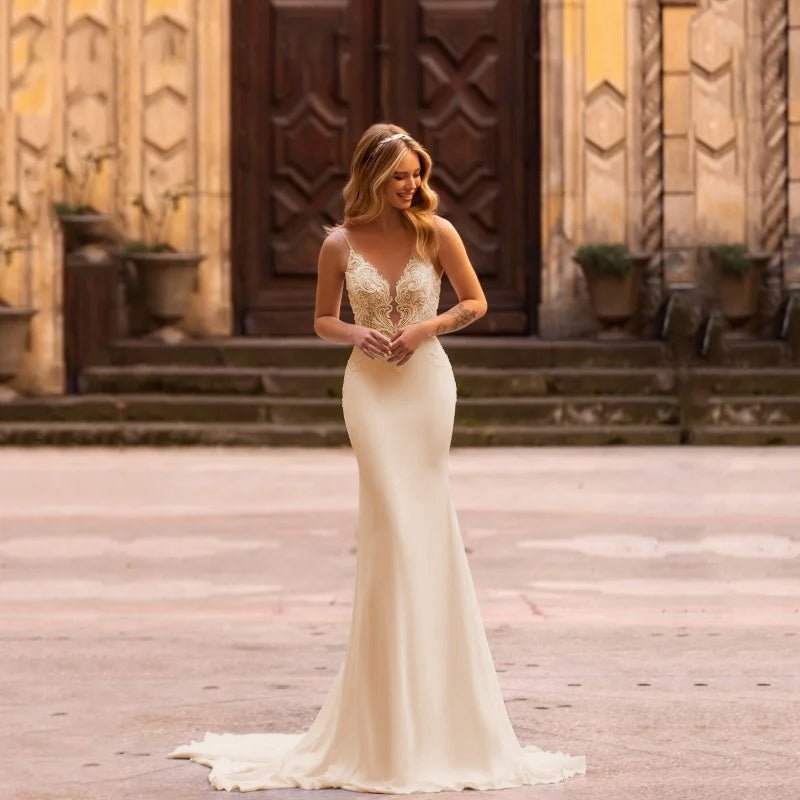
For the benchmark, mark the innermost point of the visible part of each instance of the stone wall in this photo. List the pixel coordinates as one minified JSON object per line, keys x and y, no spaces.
{"x":666,"y":124}
{"x":665,"y":127}
{"x":792,"y":242}
{"x":148,"y":77}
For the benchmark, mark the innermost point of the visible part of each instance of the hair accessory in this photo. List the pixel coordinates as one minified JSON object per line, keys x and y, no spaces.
{"x":391,"y":138}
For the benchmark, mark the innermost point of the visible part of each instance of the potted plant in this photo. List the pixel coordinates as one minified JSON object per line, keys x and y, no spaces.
{"x":613,"y":276}
{"x":82,"y":223}
{"x":739,"y":275}
{"x":14,"y":323}
{"x":166,"y":277}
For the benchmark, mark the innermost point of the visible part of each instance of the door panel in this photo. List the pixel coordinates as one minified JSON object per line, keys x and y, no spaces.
{"x":310,"y":75}
{"x":461,"y":92}
{"x":301,"y":97}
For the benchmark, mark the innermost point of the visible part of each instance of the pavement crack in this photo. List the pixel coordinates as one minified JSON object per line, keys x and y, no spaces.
{"x":119,"y":779}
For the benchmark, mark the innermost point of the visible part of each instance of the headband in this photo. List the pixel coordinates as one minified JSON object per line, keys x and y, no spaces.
{"x":392,"y":138}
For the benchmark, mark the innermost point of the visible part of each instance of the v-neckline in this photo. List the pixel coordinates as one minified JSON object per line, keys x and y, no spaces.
{"x":390,"y":284}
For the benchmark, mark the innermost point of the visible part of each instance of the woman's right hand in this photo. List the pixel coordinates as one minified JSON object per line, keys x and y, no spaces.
{"x":371,"y":342}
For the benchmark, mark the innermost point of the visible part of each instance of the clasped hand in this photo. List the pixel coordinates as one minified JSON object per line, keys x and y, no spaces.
{"x":398,"y":348}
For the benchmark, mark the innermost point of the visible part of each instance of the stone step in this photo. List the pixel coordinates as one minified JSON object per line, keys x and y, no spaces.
{"x":327,"y":381}
{"x":147,"y":378}
{"x":182,"y":434}
{"x":231,"y":352}
{"x":597,"y":410}
{"x":593,"y":410}
{"x":732,"y":411}
{"x":757,"y":353}
{"x":744,"y":435}
{"x":463,"y":350}
{"x":744,"y":381}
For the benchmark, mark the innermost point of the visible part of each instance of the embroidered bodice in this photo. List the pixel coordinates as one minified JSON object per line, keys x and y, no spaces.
{"x":415,"y":297}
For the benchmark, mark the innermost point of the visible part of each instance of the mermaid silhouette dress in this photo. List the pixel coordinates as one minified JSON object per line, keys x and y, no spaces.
{"x":416,"y":705}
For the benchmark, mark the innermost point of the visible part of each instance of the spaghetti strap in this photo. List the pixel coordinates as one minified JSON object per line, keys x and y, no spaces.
{"x":341,"y":230}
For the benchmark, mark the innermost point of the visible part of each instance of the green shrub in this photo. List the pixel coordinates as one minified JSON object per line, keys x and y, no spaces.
{"x":732,"y":258}
{"x":613,"y":259}
{"x":67,"y":209}
{"x":139,"y":246}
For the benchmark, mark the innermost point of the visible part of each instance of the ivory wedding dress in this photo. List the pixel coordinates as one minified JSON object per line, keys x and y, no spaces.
{"x":416,"y":705}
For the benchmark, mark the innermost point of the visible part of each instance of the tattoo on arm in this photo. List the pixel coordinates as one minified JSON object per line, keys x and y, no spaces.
{"x":457,"y":317}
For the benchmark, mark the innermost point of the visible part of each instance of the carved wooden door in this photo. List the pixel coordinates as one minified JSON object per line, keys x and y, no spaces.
{"x":309,"y":76}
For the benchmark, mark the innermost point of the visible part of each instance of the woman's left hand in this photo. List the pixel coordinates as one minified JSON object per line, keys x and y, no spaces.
{"x":405,"y":341}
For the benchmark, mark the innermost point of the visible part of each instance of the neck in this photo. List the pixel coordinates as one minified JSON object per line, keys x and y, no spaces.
{"x":388,"y":220}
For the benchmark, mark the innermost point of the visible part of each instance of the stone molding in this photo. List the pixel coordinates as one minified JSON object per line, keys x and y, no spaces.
{"x":652,"y":155}
{"x":774,"y":168}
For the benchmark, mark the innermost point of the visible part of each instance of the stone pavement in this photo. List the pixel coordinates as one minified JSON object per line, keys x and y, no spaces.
{"x":641,"y":605}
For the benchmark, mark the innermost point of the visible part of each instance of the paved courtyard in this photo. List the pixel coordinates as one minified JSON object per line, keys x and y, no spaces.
{"x":642,"y":605}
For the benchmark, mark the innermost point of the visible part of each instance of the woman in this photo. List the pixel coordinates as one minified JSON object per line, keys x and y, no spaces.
{"x":416,"y":705}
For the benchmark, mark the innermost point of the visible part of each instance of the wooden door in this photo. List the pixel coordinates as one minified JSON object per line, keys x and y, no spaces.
{"x":310,"y":75}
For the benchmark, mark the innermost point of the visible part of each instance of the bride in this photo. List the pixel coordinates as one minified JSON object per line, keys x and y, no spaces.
{"x":416,"y":705}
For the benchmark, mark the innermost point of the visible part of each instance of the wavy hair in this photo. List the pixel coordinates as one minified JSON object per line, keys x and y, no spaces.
{"x":371,"y":168}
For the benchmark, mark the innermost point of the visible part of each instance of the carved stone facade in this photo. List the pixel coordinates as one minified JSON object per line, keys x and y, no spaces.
{"x":148,"y":77}
{"x":792,"y":242}
{"x":665,"y":124}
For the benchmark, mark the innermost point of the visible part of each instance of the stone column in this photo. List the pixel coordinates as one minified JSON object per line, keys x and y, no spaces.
{"x":773,"y":163}
{"x":564,"y":307}
{"x":651,"y":238}
{"x":586,"y":119}
{"x":31,"y":39}
{"x":792,"y":242}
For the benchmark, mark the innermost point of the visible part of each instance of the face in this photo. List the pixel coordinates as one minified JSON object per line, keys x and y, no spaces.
{"x":404,"y":181}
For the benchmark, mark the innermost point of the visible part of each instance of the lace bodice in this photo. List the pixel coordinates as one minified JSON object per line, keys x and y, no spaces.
{"x":415,"y":297}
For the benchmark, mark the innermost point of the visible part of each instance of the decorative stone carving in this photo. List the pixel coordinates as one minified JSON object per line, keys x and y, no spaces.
{"x":652,"y":149}
{"x":149,"y":77}
{"x":165,"y":109}
{"x":605,"y":118}
{"x":716,"y":134}
{"x":717,"y":46}
{"x":677,"y":184}
{"x":709,"y":50}
{"x":167,"y":113}
{"x":604,"y":133}
{"x":774,"y":168}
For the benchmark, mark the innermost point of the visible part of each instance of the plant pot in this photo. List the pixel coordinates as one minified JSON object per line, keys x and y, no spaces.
{"x":167,"y":282}
{"x":615,"y":298}
{"x":81,"y":229}
{"x":14,"y":324}
{"x":738,"y":293}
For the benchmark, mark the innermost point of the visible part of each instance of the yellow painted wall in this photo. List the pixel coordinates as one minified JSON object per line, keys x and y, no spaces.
{"x":148,"y":77}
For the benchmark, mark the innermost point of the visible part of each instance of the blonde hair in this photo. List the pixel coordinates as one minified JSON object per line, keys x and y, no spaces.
{"x":376,"y":156}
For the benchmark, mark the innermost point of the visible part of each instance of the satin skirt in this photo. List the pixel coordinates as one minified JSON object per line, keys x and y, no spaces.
{"x":416,"y":705}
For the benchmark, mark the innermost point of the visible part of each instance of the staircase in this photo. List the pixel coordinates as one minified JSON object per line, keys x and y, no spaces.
{"x":287,"y":391}
{"x":511,"y":391}
{"x":754,"y":399}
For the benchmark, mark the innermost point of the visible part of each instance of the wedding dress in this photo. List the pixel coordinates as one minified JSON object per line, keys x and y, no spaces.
{"x":416,"y":705}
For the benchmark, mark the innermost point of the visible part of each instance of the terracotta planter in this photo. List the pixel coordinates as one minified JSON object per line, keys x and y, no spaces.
{"x":14,"y":324}
{"x":739,"y":293}
{"x":167,"y":282}
{"x":80,"y":229}
{"x":615,"y":298}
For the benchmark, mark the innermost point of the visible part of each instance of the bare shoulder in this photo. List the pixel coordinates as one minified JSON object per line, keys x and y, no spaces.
{"x":450,"y":246}
{"x":334,"y":240}
{"x":334,"y":249}
{"x":445,"y":228}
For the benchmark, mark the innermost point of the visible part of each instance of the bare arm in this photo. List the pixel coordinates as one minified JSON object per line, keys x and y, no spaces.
{"x":472,"y":303}
{"x":330,"y":285}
